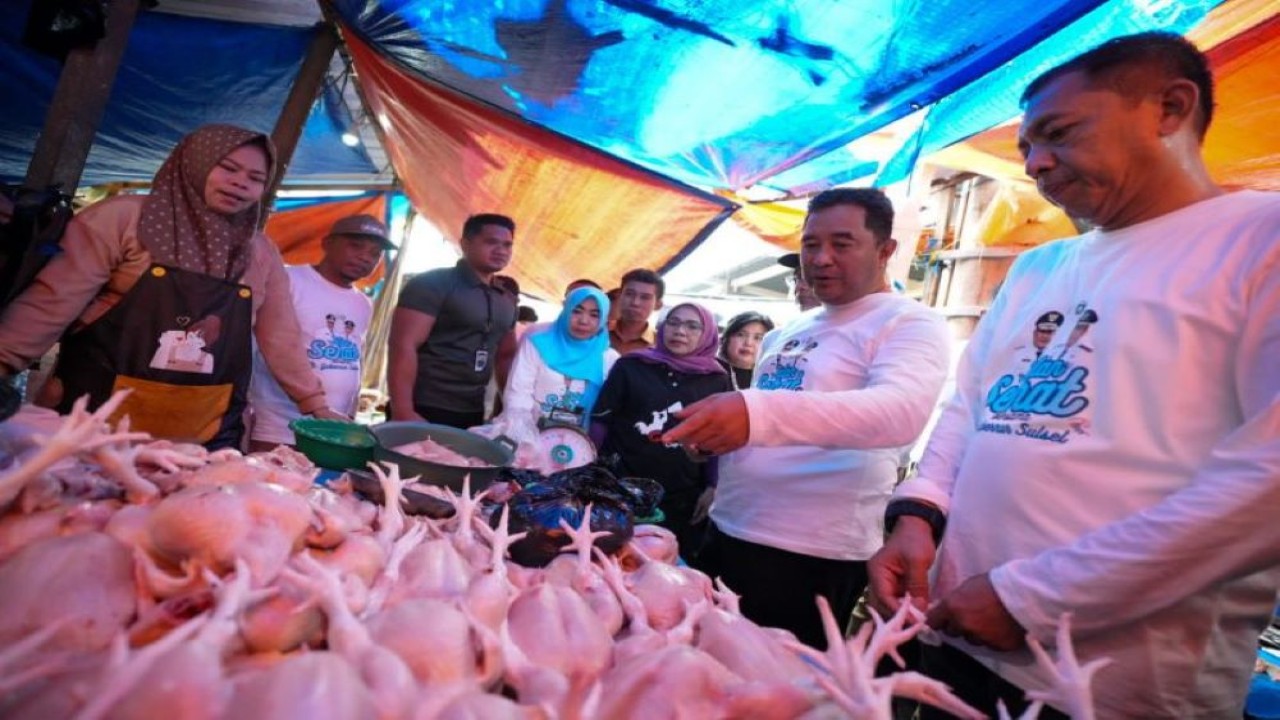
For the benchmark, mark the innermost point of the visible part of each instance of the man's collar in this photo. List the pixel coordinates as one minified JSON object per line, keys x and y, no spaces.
{"x":647,"y":334}
{"x":469,"y":274}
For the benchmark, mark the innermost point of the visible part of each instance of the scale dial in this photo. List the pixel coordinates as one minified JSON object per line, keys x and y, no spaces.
{"x":566,"y":447}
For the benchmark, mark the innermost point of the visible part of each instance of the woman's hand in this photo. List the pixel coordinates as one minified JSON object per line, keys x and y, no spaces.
{"x":329,"y":414}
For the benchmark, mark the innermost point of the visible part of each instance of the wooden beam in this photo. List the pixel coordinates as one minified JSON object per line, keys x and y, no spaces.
{"x":79,"y":103}
{"x":301,"y":97}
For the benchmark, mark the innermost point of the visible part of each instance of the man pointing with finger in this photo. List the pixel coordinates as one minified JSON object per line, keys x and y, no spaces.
{"x":836,"y":394}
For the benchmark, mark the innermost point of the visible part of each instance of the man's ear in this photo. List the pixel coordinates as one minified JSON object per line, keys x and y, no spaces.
{"x":657,"y":305}
{"x":1179,"y":103}
{"x":886,"y":250}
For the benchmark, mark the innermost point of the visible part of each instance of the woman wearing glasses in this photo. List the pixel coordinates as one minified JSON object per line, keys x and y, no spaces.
{"x":639,"y":401}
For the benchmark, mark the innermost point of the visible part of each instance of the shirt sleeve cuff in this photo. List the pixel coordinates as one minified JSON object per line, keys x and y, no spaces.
{"x":311,"y":404}
{"x":918,"y":488}
{"x":1022,"y":602}
{"x":757,"y":416}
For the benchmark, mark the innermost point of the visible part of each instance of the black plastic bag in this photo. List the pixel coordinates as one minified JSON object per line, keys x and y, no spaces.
{"x":542,"y":502}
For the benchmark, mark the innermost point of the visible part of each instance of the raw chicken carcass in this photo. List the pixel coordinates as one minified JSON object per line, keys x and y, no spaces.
{"x":84,"y":581}
{"x":432,"y":451}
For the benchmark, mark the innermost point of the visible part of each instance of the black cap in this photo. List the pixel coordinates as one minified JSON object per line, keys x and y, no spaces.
{"x":1049,"y":321}
{"x":1088,"y":317}
{"x":791,"y":260}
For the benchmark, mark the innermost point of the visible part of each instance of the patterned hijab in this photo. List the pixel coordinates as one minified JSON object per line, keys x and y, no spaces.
{"x":176,"y":226}
{"x":701,"y":361}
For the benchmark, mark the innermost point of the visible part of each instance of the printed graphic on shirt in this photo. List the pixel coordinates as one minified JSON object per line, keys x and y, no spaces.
{"x":1046,"y":394}
{"x":336,"y":346}
{"x":655,"y":427}
{"x":564,"y":408}
{"x":785,"y":370}
{"x":184,"y":350}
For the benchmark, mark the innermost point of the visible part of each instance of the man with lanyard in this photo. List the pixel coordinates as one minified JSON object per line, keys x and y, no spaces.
{"x":1133,"y":486}
{"x":334,"y":317}
{"x":837,"y":393}
{"x":638,"y":299}
{"x":451,"y":329}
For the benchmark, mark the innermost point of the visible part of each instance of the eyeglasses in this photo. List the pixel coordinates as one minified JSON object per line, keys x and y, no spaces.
{"x":692,"y":326}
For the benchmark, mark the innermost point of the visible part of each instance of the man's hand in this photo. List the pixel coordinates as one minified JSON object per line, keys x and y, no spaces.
{"x":715,"y":426}
{"x":974,"y":612}
{"x":703,"y":507}
{"x":329,"y":414}
{"x":901,"y":567}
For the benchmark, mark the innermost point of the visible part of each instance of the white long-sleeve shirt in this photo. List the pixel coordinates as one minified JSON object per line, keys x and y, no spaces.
{"x":1131,"y":477}
{"x":821,"y":461}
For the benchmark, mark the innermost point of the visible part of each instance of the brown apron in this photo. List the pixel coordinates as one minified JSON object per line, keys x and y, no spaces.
{"x":182,"y":341}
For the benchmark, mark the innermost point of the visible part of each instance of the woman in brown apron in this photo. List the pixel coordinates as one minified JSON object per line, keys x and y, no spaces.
{"x":164,"y":295}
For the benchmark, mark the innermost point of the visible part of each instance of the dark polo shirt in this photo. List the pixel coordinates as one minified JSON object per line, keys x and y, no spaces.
{"x":470,"y":316}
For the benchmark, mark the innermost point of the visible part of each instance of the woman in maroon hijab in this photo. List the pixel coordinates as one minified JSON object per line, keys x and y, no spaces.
{"x":162,"y":295}
{"x":638,"y":402}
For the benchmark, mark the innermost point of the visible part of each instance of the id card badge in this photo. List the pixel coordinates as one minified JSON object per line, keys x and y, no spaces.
{"x":482,"y":360}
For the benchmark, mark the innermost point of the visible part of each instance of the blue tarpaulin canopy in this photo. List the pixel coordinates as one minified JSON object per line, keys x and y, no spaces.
{"x":725,"y":93}
{"x":177,"y":74}
{"x":721,"y":94}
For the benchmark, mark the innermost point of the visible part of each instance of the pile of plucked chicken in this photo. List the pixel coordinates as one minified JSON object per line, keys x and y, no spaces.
{"x":146,"y":579}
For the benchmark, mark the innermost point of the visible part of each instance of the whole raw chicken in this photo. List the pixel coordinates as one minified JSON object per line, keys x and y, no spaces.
{"x":145,"y":579}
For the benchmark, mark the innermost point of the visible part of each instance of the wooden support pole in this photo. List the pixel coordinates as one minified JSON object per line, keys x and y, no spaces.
{"x":79,"y":103}
{"x":301,"y":97}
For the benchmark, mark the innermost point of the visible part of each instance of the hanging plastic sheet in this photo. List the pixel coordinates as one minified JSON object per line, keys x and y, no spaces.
{"x":1241,"y":149}
{"x":579,"y":212}
{"x":711,"y":92}
{"x":177,"y":74}
{"x":1018,"y":216}
{"x":774,"y":222}
{"x":299,"y":232}
{"x":994,"y":98}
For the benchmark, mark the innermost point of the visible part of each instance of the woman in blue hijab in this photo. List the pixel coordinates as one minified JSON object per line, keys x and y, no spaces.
{"x":558,"y":370}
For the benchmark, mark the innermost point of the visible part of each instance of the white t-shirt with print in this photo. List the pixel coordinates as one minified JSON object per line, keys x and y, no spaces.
{"x":837,"y":394}
{"x":1129,"y":474}
{"x":334,"y":321}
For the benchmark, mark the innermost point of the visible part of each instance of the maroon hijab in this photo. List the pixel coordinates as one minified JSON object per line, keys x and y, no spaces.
{"x":702,"y":361}
{"x":178,"y":229}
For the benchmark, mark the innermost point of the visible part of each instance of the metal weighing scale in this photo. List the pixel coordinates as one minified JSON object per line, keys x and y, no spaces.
{"x":563,"y":447}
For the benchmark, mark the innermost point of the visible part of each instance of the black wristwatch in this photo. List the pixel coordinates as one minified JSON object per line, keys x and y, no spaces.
{"x":914,"y":508}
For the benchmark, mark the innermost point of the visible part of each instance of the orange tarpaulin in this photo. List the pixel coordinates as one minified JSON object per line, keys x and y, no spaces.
{"x":298,"y":232}
{"x":1242,"y":148}
{"x":774,"y":222}
{"x":578,"y":211}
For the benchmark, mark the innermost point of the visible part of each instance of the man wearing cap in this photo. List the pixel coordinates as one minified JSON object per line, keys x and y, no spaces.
{"x":334,"y":317}
{"x":804,"y":295}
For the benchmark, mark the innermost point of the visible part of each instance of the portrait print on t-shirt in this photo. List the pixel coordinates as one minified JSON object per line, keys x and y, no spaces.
{"x":1046,"y":391}
{"x":335,"y":345}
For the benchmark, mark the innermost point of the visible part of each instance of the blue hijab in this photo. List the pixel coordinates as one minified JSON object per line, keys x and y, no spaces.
{"x":574,"y":358}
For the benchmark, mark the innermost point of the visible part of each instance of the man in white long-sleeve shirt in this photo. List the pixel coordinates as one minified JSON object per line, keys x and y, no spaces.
{"x":1134,"y":485}
{"x":837,"y":394}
